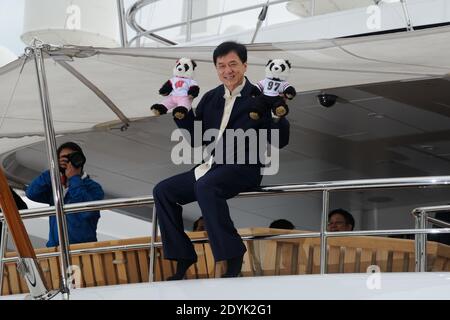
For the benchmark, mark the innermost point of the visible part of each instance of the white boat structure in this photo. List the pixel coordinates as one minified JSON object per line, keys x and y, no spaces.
{"x":387,"y":64}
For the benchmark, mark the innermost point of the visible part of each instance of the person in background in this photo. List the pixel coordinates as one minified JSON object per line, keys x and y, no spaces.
{"x":282,"y":224}
{"x":340,"y":220}
{"x":199,"y":225}
{"x":78,"y":187}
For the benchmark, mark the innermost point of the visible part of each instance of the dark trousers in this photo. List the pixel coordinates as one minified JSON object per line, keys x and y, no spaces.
{"x":220,"y":183}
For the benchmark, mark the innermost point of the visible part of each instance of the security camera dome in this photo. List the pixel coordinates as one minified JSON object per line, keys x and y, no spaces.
{"x":327,"y":100}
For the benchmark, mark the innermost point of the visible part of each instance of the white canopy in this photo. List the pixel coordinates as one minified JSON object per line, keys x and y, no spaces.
{"x":131,"y":77}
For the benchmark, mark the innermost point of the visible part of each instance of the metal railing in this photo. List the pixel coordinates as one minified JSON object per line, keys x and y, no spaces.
{"x":421,"y":220}
{"x":324,"y":187}
{"x":142,"y":32}
{"x":438,"y":222}
{"x":131,"y":20}
{"x":132,"y":11}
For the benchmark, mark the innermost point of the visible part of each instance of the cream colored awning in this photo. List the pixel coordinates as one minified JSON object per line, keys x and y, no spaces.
{"x":131,"y":77}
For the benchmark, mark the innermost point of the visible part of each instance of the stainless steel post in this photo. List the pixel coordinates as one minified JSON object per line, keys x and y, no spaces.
{"x":188,"y":20}
{"x":122,"y":24}
{"x":421,"y":243}
{"x":261,"y":17}
{"x":3,"y":245}
{"x":323,"y":229}
{"x":409,"y":26}
{"x":54,"y":168}
{"x":152,"y":246}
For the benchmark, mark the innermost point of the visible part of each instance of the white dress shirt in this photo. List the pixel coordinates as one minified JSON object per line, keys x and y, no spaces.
{"x":230,"y":98}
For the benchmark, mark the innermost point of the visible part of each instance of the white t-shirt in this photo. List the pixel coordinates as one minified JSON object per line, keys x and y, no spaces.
{"x":271,"y":87}
{"x":180,"y":86}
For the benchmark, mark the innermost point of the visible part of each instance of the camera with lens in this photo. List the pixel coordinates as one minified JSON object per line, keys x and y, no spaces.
{"x":77,"y":159}
{"x":327,"y":100}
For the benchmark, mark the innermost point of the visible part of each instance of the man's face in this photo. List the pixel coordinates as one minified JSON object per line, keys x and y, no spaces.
{"x":231,"y":70}
{"x":337,"y":223}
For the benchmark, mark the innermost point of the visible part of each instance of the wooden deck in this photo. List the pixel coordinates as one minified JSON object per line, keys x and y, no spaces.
{"x":263,"y":258}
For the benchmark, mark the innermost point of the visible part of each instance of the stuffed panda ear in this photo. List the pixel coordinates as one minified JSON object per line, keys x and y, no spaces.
{"x":268,"y":62}
{"x":194,"y":64}
{"x":288,"y":63}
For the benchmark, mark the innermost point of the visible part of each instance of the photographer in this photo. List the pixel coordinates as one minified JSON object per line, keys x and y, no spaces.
{"x":78,"y":187}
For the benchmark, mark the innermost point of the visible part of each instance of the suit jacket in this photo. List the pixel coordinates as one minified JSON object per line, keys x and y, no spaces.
{"x":210,"y":111}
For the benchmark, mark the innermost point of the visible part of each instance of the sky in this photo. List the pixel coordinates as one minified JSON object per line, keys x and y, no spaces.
{"x":12,"y":12}
{"x":11,"y":25}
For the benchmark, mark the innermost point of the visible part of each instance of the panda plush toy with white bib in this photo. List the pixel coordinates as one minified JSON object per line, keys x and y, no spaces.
{"x":273,"y":90}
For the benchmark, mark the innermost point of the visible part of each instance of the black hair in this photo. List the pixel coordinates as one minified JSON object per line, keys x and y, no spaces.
{"x":230,"y":46}
{"x":196,"y":222}
{"x":282,"y":224}
{"x":347,"y":216}
{"x":77,"y":149}
{"x":69,"y":145}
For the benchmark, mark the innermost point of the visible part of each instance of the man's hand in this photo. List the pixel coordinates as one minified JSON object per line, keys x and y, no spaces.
{"x":280,"y":111}
{"x":194,"y":91}
{"x":72,"y":171}
{"x":290,"y":93}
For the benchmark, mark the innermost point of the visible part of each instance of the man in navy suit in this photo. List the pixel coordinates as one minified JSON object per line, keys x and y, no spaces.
{"x":213,"y":182}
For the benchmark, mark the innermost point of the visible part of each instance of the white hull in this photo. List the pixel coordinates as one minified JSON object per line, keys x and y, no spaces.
{"x":352,"y":66}
{"x":380,"y":286}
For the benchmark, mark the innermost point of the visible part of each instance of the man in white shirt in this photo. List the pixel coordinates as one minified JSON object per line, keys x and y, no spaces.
{"x":213,"y":182}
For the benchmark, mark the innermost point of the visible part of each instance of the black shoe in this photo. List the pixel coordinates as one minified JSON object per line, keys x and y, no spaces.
{"x":179,"y":112}
{"x":159,"y":109}
{"x":182,"y":266}
{"x":234,"y":267}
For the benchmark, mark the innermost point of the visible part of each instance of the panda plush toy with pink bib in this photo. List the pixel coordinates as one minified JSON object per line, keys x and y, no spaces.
{"x":179,"y":91}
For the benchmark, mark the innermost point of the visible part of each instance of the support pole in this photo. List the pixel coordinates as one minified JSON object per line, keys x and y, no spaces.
{"x":122,"y":24}
{"x":152,"y":246}
{"x":54,"y":169}
{"x":262,"y":16}
{"x":188,"y":20}
{"x":3,"y":244}
{"x":421,"y":243}
{"x":409,"y":26}
{"x":323,"y":229}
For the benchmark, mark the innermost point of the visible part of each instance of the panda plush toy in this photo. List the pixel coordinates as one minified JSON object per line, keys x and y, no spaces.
{"x":273,"y":89}
{"x":179,"y":90}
